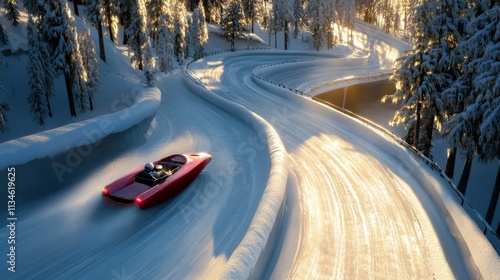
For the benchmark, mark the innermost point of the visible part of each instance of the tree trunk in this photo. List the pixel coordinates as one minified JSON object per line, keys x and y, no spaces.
{"x":253,"y":23}
{"x":464,"y":179}
{"x":110,"y":21}
{"x":494,"y":198}
{"x":75,"y":7}
{"x":91,"y":103}
{"x":102,"y":52}
{"x":417,"y":124}
{"x":285,"y":34}
{"x":69,"y":90}
{"x":48,"y":104}
{"x":429,"y":128}
{"x":450,"y":162}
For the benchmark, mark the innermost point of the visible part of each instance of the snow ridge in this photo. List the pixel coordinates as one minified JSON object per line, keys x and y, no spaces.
{"x":58,"y":140}
{"x":244,"y":259}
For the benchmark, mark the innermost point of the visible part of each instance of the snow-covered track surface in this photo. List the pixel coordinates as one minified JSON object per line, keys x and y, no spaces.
{"x":361,"y":213}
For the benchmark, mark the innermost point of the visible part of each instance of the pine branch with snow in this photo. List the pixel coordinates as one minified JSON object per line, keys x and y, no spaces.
{"x":91,"y":64}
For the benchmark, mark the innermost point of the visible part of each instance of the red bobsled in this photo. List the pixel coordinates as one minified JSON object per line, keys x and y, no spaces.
{"x":173,"y":174}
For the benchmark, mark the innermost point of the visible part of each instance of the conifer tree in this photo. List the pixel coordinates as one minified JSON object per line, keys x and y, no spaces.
{"x":4,"y":39}
{"x":199,"y":31}
{"x":111,"y":11}
{"x":253,"y":10}
{"x":156,"y":8}
{"x":298,"y":19}
{"x":149,"y":75}
{"x":283,"y":15}
{"x":4,"y":109}
{"x":95,"y":10}
{"x":12,"y":11}
{"x":165,"y":47}
{"x":90,"y":64}
{"x":180,"y":27}
{"x":233,"y":21}
{"x":126,"y":17}
{"x":475,"y":130}
{"x":138,"y":35}
{"x":317,"y":22}
{"x":414,"y":89}
{"x":40,"y":76}
{"x":59,"y":32}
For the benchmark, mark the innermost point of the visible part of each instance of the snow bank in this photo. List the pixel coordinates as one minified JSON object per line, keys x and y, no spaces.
{"x":55,"y":141}
{"x":481,"y":258}
{"x":243,"y":262}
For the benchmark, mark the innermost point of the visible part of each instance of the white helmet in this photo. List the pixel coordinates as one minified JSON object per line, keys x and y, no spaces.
{"x":149,"y":166}
{"x":158,"y":167}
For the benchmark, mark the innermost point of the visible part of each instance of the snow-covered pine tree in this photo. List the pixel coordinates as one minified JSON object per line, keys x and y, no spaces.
{"x":488,"y":83}
{"x":283,"y":15}
{"x":60,"y":34}
{"x":110,"y":16}
{"x":138,"y":35}
{"x":149,"y":75}
{"x":199,"y":31}
{"x":156,"y":8}
{"x":125,"y":17}
{"x":476,"y":130}
{"x":253,"y":11}
{"x":449,"y":23}
{"x":346,"y":16}
{"x":95,"y":11}
{"x":317,"y":22}
{"x":331,"y":17}
{"x":179,"y":31}
{"x":414,"y":88}
{"x":12,"y":11}
{"x":165,"y":47}
{"x":368,"y":10}
{"x":40,"y":76}
{"x":233,"y":21}
{"x":442,"y":37}
{"x":91,"y":64}
{"x":190,"y":37}
{"x":270,"y":27}
{"x":298,"y":19}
